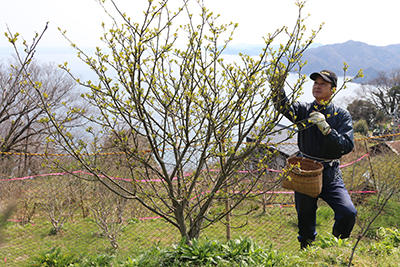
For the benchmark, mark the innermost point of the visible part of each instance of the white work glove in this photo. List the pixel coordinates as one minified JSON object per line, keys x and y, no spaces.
{"x":318,"y":119}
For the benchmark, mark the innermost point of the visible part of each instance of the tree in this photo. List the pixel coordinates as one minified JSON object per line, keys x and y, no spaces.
{"x":361,"y":109}
{"x":384,"y":93}
{"x":20,"y":112}
{"x":170,"y":85}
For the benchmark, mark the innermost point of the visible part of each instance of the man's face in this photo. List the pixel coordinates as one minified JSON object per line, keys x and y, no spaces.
{"x":322,"y":90}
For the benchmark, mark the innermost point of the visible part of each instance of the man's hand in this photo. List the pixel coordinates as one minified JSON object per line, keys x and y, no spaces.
{"x":318,"y":119}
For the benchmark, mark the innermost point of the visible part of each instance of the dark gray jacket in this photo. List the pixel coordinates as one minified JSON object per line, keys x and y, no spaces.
{"x":311,"y":141}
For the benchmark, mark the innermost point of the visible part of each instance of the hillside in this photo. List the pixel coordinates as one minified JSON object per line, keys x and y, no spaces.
{"x":358,"y":55}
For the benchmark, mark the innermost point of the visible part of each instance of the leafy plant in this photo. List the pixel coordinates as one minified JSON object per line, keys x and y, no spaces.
{"x":54,"y":258}
{"x":390,"y":240}
{"x":328,"y":240}
{"x":390,"y":216}
{"x":241,"y":252}
{"x":151,"y":257}
{"x":205,"y":252}
{"x":97,"y":261}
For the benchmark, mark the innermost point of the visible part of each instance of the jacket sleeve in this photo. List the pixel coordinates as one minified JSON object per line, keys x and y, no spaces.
{"x":341,"y":135}
{"x":282,"y":105}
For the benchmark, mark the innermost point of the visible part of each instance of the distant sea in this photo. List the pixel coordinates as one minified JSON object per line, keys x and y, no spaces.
{"x":57,"y":55}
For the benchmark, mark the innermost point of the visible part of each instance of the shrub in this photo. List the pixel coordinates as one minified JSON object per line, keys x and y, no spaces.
{"x":55,"y":258}
{"x":239,"y":252}
{"x":361,"y":126}
{"x":389,"y":240}
{"x":96,"y":261}
{"x":151,"y":257}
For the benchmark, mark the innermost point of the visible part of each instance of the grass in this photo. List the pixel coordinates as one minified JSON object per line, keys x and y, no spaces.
{"x":276,"y":229}
{"x":326,"y":251}
{"x":82,"y":237}
{"x":273,"y":230}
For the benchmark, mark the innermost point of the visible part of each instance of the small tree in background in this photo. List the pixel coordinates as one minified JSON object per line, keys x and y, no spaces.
{"x":170,"y":85}
{"x":59,"y":202}
{"x":384,"y":93}
{"x":21,"y":112}
{"x":107,"y":210}
{"x":366,"y":110}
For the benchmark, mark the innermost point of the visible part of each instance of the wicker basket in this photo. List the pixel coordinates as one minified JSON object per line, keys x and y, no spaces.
{"x":305,"y":176}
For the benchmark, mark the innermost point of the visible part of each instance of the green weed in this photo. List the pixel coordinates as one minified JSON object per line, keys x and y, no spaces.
{"x":389,"y":241}
{"x":54,"y":258}
{"x":239,"y":252}
{"x":389,"y":218}
{"x":328,"y":240}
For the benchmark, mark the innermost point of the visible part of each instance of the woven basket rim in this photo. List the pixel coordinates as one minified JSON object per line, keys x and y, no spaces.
{"x":308,"y":167}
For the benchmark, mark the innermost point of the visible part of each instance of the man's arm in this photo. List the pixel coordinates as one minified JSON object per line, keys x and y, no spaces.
{"x":283,"y":106}
{"x":343,"y":135}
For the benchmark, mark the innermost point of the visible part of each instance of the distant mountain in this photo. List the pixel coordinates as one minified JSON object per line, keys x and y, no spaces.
{"x":358,"y":55}
{"x":251,"y":49}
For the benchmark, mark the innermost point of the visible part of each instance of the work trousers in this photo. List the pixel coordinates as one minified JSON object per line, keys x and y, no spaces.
{"x":335,"y":194}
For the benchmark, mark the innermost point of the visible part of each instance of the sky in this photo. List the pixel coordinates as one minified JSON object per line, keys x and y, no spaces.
{"x":368,"y":21}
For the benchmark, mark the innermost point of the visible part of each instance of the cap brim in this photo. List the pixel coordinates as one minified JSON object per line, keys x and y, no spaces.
{"x":315,"y":75}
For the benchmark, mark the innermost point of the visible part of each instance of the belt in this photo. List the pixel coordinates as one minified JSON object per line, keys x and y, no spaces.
{"x":330,"y":162}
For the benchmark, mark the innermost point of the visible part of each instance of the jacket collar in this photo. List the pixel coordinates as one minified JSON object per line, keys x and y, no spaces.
{"x":319,"y":107}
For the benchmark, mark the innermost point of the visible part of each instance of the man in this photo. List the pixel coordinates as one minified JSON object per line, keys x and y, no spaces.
{"x":325,"y":134}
